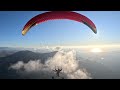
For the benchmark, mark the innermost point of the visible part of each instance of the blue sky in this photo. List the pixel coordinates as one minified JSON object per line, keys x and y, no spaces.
{"x":59,"y":32}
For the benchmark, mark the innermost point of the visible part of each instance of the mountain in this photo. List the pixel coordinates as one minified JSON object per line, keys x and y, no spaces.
{"x":24,"y":56}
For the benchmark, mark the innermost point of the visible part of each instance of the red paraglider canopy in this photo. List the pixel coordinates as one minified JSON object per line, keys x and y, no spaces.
{"x":53,"y":15}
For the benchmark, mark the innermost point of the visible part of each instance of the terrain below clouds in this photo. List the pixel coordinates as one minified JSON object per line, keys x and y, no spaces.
{"x":27,"y":64}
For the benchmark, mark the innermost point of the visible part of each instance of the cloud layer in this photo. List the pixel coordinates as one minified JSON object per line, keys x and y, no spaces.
{"x":34,"y":69}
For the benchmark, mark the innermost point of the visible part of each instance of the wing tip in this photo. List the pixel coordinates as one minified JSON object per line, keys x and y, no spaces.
{"x":95,"y":30}
{"x":23,"y":33}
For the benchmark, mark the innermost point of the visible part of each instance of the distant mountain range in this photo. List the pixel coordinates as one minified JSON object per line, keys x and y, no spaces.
{"x":8,"y":48}
{"x":4,"y":53}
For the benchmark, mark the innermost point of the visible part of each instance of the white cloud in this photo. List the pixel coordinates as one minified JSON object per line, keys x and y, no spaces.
{"x":18,"y":65}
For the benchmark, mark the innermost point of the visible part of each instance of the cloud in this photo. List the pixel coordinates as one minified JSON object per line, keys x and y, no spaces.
{"x":34,"y":69}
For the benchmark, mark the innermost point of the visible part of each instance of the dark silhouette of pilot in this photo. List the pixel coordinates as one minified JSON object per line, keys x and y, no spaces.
{"x":57,"y":71}
{"x":52,"y":77}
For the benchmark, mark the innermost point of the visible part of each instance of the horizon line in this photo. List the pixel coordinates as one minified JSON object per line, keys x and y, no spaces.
{"x":67,"y":46}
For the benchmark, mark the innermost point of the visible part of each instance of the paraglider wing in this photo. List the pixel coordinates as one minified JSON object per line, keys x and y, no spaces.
{"x":53,"y":15}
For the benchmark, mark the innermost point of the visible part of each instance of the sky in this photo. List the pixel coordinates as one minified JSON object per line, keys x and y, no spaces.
{"x":59,"y":32}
